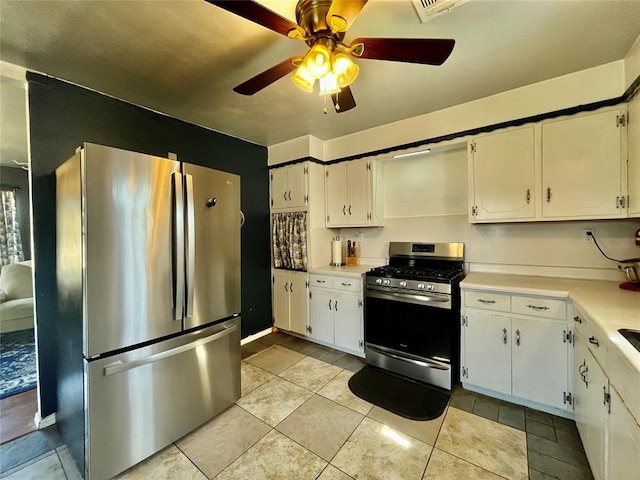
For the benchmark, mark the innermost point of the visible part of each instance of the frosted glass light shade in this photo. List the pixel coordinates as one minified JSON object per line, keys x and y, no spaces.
{"x":317,"y":61}
{"x":329,"y":84}
{"x":303,"y":79}
{"x":345,"y":70}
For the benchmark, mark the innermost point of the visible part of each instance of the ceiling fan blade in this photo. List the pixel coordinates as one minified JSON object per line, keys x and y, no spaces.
{"x":266,"y":78}
{"x":258,"y":14}
{"x":343,"y":101}
{"x":430,"y":51}
{"x":344,"y":12}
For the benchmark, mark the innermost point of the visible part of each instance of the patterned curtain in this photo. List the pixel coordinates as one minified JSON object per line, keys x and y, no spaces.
{"x":289,"y":239}
{"x":10,"y":242}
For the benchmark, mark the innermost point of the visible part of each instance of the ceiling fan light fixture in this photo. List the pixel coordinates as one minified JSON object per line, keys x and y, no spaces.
{"x":303,"y":79}
{"x":329,"y":84}
{"x":344,"y":68}
{"x":318,"y":60}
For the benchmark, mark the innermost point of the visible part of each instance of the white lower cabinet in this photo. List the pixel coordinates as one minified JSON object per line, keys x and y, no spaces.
{"x":525,"y":357}
{"x":336,"y":311}
{"x":291,"y":300}
{"x":609,"y":432}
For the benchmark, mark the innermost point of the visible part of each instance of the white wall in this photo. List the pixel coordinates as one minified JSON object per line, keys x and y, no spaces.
{"x":632,"y":64}
{"x":426,"y":201}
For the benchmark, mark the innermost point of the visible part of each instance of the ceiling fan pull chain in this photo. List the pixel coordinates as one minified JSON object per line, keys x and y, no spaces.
{"x":325,"y":105}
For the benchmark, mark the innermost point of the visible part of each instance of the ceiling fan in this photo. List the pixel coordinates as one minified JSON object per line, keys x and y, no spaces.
{"x":322,"y":25}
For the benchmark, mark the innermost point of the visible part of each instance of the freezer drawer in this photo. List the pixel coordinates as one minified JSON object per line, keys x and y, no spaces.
{"x":143,"y":400}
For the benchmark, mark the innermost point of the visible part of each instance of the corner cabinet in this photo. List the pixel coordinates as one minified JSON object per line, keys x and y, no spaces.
{"x":290,"y":300}
{"x":288,"y":187}
{"x":516,"y":346}
{"x":353,"y":192}
{"x":336,"y":311}
{"x":502,"y":175}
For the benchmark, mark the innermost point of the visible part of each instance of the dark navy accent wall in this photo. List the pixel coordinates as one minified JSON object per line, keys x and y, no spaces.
{"x":63,"y":116}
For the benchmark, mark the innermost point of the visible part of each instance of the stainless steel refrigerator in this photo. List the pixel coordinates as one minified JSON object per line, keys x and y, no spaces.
{"x":148,"y":272}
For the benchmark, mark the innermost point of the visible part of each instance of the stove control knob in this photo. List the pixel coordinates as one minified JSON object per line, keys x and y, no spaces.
{"x":379,"y":281}
{"x":386,"y":281}
{"x":403,"y":283}
{"x":421,"y":286}
{"x":430,"y":287}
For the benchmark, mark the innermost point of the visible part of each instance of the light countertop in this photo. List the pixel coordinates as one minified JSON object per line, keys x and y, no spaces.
{"x":356,"y":270}
{"x":604,"y":302}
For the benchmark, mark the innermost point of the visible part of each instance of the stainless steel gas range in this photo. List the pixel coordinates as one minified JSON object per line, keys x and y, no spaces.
{"x":412,"y":312}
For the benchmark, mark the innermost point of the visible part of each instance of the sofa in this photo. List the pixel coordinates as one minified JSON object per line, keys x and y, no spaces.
{"x":16,"y":297}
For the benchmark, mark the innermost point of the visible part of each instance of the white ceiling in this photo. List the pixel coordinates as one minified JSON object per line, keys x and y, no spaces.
{"x":183,"y":58}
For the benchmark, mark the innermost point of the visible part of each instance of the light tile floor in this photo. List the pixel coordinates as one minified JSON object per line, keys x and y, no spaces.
{"x":297,"y":419}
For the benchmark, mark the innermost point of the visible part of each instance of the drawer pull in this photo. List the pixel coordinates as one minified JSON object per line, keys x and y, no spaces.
{"x":321,"y":281}
{"x":577,"y":319}
{"x":486,"y":302}
{"x":594,"y":341}
{"x":346,"y":284}
{"x":537,"y":307}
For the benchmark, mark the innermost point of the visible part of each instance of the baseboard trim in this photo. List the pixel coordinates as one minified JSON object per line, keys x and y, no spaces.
{"x":44,"y":422}
{"x":255,"y":336}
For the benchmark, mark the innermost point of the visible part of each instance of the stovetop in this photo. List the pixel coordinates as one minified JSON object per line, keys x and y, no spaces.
{"x":441,"y":274}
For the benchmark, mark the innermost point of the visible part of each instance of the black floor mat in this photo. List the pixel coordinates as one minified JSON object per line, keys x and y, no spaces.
{"x":399,"y":395}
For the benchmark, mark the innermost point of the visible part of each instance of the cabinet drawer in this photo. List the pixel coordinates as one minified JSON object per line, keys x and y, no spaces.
{"x":348,"y":284}
{"x":591,"y":335}
{"x":539,"y":307}
{"x":321,"y":281}
{"x":488,"y":301}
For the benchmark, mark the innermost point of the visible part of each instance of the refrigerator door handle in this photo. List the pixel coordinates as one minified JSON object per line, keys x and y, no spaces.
{"x":119,"y":366}
{"x":191,"y":243}
{"x":178,"y":245}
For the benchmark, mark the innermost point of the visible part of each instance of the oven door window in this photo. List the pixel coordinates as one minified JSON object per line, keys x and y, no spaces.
{"x":420,"y":330}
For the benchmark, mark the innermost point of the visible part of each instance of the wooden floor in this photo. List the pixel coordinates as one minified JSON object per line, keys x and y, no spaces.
{"x":17,"y":415}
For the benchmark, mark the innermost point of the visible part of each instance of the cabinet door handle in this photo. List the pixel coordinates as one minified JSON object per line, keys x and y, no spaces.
{"x":289,"y":195}
{"x":577,"y":319}
{"x":291,"y":287}
{"x":518,"y":338}
{"x":528,"y":196}
{"x":537,"y":307}
{"x":285,"y":196}
{"x":504,"y":336}
{"x":329,"y":304}
{"x":286,"y":287}
{"x":349,"y":209}
{"x":335,"y":305}
{"x":486,"y":302}
{"x":344,"y":209}
{"x":548,"y":194}
{"x":594,"y":341}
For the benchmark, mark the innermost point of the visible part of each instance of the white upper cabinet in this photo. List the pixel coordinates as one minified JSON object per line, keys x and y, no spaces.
{"x":633,"y":142}
{"x":502,"y":176}
{"x":566,"y":168}
{"x":288,"y":188}
{"x":583,"y":166}
{"x":353,"y":194}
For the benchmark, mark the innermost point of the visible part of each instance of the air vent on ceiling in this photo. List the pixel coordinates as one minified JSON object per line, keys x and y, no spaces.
{"x":428,"y":9}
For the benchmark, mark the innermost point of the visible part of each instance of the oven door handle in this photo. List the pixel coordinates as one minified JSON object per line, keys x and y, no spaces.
{"x":408,"y":297}
{"x":422,"y":363}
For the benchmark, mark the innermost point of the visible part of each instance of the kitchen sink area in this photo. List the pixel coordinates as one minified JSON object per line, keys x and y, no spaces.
{"x":632,"y":336}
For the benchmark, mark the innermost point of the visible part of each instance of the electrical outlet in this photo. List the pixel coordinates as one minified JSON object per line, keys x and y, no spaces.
{"x":360,"y":236}
{"x":588,"y":234}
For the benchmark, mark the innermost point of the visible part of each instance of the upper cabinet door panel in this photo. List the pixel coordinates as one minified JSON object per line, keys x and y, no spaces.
{"x":582,"y":166}
{"x":359,"y":188}
{"x":633,"y":142}
{"x":279,"y":188}
{"x":504,"y":175}
{"x":297,"y":188}
{"x":336,"y":191}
